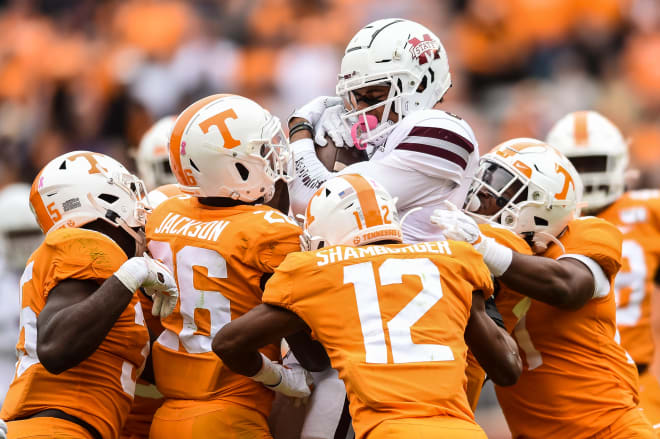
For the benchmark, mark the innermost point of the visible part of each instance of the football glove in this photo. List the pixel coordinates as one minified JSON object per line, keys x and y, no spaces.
{"x":155,"y":279}
{"x":330,"y":124}
{"x":313,"y":110}
{"x":291,"y":381}
{"x":458,"y":226}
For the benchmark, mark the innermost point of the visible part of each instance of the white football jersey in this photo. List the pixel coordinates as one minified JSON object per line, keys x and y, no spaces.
{"x":429,"y":157}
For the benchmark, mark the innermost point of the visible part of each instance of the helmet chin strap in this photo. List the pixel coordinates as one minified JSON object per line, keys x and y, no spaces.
{"x":139,"y":238}
{"x":541,"y":246}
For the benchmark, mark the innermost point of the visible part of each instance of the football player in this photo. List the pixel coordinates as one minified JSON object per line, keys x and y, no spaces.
{"x":394,"y":318}
{"x":556,"y":275}
{"x":19,"y":237}
{"x":393,"y":73}
{"x":83,"y":340}
{"x":152,"y":156}
{"x":222,"y":243}
{"x":600,"y":154}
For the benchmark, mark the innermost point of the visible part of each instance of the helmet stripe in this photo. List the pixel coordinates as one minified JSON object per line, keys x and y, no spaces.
{"x":177,"y":133}
{"x":580,"y":132}
{"x":43,"y":218}
{"x":366,"y":198}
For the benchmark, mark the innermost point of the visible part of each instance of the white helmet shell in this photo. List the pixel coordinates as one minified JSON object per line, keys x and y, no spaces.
{"x":528,"y":187}
{"x":350,"y":210}
{"x":153,"y":156}
{"x":598,"y":150}
{"x":401,"y":54}
{"x":81,"y":186}
{"x":229,"y":146}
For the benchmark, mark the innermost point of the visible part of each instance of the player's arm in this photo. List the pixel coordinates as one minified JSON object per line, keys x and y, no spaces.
{"x":79,"y":313}
{"x":568,"y":282}
{"x":237,"y":345}
{"x":309,"y":353}
{"x":76,"y":318}
{"x":493,"y":347}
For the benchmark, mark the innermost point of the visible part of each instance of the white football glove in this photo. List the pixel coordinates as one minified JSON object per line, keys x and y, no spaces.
{"x":330,"y":124}
{"x":3,"y":429}
{"x":313,"y":110}
{"x":458,"y":226}
{"x":291,"y":381}
{"x":455,"y":224}
{"x":156,"y":280}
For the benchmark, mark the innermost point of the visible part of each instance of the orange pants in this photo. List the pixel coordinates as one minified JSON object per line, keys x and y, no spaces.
{"x":426,"y":428}
{"x":649,"y":399}
{"x":632,"y":425}
{"x":475,"y":380}
{"x":45,"y":428}
{"x":209,"y":420}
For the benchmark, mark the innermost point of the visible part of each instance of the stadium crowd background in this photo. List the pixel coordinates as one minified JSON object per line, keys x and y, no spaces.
{"x":84,"y":74}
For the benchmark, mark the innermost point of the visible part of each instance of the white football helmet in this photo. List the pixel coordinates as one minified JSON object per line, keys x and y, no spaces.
{"x":350,"y":210}
{"x":153,"y":155}
{"x":229,"y":146}
{"x":598,"y":151}
{"x":81,"y":186}
{"x":528,"y":187}
{"x":19,"y":232}
{"x":401,"y":54}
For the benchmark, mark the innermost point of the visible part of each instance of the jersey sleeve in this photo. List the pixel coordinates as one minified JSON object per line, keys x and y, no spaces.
{"x":506,"y":237}
{"x":474,"y":269}
{"x":439,"y":144}
{"x":597,"y":239}
{"x":81,"y":254}
{"x":276,"y":235}
{"x":281,"y":287}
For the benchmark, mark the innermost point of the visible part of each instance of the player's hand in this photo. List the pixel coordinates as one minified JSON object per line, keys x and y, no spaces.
{"x":458,"y":226}
{"x":313,"y":110}
{"x":330,"y":124}
{"x":3,"y":429}
{"x":291,"y":381}
{"x":161,"y":286}
{"x":156,"y":280}
{"x":455,"y":224}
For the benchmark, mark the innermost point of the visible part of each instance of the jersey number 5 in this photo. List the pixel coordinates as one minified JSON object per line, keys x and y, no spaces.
{"x":391,"y":272}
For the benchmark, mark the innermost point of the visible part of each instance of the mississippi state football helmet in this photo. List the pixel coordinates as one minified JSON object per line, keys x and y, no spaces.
{"x":19,"y":233}
{"x":229,"y":146}
{"x":526,"y":186}
{"x":81,"y":186}
{"x":401,"y":54}
{"x":598,"y":151}
{"x":350,"y":210}
{"x":153,"y":155}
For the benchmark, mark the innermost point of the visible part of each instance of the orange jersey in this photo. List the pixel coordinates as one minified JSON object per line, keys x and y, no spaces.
{"x":100,"y":389}
{"x":637,"y":215}
{"x":576,"y":380}
{"x":219,"y":256}
{"x":392,"y":319}
{"x":162,"y":193}
{"x":147,"y":397}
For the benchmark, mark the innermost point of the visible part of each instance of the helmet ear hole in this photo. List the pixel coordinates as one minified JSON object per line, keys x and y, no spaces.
{"x":108,"y":198}
{"x":242,"y":170}
{"x":540,"y":221}
{"x":63,"y":165}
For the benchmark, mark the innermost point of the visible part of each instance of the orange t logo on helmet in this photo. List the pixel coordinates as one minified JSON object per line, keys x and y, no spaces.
{"x":90,"y":158}
{"x":567,"y":181}
{"x":219,"y":120}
